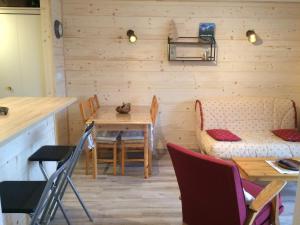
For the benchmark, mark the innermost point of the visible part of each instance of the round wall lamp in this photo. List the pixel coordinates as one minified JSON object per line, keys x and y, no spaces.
{"x":251,"y":35}
{"x":131,"y":36}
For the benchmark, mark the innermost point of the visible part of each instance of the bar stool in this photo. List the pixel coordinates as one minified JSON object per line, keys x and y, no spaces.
{"x":59,"y":154}
{"x":133,"y":140}
{"x":104,"y":140}
{"x":40,"y":199}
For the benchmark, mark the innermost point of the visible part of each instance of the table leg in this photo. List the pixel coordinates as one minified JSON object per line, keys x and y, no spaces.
{"x":150,"y":150}
{"x":95,"y":158}
{"x":146,"y":152}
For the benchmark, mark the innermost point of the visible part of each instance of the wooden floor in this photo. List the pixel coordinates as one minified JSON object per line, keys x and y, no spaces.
{"x":131,"y":200}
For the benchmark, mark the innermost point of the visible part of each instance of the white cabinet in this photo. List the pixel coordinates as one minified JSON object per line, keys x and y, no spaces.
{"x":21,"y":63}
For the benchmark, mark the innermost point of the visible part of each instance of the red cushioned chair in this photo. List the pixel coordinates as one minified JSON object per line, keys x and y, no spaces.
{"x":212,"y":192}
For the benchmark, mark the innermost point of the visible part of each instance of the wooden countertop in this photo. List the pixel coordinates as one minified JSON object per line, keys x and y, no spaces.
{"x":27,"y":111}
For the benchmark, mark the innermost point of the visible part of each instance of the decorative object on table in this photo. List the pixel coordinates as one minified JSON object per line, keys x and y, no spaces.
{"x":131,"y":36}
{"x":279,"y":169}
{"x":58,"y":29}
{"x":124,"y":108}
{"x":3,"y":111}
{"x":182,"y":48}
{"x":289,"y":164}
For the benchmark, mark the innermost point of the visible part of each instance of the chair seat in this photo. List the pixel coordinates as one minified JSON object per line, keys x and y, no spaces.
{"x":132,"y":135}
{"x":57,"y":153}
{"x":20,"y":196}
{"x":263,"y":217}
{"x":107,"y":136}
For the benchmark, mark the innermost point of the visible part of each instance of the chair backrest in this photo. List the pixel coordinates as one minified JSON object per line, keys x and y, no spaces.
{"x":57,"y":183}
{"x":48,"y":198}
{"x":86,"y":110}
{"x":94,"y":102}
{"x":154,"y":109}
{"x":79,"y":148}
{"x":211,"y":189}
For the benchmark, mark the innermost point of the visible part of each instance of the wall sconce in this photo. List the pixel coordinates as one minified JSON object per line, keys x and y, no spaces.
{"x":251,"y":35}
{"x":131,"y":36}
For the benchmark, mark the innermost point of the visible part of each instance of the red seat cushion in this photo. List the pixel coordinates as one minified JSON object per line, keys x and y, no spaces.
{"x":264,"y":216}
{"x":223,"y":135}
{"x":288,"y":134}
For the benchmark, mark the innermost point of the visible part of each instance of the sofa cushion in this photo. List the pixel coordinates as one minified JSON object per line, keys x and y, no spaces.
{"x":223,"y":135}
{"x":264,"y":215}
{"x":288,"y":134}
{"x":253,"y":144}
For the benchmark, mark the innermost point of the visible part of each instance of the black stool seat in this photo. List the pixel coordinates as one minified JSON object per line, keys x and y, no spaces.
{"x":58,"y":153}
{"x":20,"y":196}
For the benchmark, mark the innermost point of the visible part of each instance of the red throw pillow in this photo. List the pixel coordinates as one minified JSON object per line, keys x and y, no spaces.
{"x":288,"y":134}
{"x":223,"y":135}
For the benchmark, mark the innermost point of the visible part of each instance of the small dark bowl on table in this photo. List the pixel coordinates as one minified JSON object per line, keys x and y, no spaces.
{"x":124,"y":108}
{"x":3,"y":111}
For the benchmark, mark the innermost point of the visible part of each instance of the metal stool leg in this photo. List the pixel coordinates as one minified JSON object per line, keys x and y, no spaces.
{"x":63,"y":211}
{"x":43,"y":170}
{"x":79,"y":198}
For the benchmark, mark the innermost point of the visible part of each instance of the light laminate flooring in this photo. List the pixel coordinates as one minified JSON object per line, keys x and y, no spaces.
{"x":132,"y":200}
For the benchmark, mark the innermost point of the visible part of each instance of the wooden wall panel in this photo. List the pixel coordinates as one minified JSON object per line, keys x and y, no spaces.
{"x":59,"y":72}
{"x":99,"y":59}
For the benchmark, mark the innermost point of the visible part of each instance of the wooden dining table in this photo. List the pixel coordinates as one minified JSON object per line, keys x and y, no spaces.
{"x":139,"y":118}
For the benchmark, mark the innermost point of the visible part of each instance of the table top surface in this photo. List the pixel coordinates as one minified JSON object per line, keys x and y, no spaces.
{"x":139,"y":115}
{"x":259,"y":168}
{"x":27,"y":111}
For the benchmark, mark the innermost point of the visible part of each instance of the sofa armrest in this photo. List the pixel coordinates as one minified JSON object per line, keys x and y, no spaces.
{"x":268,"y":194}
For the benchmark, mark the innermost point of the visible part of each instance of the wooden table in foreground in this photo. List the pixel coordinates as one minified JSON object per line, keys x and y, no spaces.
{"x":138,"y":118}
{"x":259,"y":169}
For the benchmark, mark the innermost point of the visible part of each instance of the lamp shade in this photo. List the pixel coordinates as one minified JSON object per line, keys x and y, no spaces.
{"x":131,"y":36}
{"x":251,"y":35}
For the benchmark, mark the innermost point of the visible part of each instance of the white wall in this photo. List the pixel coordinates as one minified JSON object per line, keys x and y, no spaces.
{"x":14,"y":163}
{"x":21,"y":65}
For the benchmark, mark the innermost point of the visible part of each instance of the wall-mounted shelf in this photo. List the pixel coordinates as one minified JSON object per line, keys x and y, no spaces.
{"x":206,"y":45}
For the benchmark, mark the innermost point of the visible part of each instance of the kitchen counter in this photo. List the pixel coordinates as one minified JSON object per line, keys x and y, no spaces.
{"x":30,"y":124}
{"x":27,"y":111}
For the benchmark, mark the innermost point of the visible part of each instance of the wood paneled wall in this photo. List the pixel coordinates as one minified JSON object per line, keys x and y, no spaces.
{"x":51,"y":10}
{"x":59,"y":72}
{"x":99,"y":59}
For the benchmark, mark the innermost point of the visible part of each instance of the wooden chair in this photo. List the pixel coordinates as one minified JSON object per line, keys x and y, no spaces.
{"x":94,"y":102}
{"x":133,"y":141}
{"x":103,"y":139}
{"x":86,"y":113}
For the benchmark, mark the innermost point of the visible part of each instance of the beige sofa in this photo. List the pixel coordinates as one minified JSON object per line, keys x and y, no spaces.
{"x":252,"y":119}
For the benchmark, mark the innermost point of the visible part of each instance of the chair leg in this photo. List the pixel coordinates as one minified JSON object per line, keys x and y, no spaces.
{"x":115,"y":158}
{"x":43,"y":170}
{"x":150,"y":161}
{"x":123,"y":155}
{"x":94,"y":152}
{"x":79,"y":198}
{"x":275,"y":211}
{"x":63,"y":211}
{"x":87,"y":158}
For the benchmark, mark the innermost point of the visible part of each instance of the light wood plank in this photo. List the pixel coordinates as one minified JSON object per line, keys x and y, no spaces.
{"x":24,"y":112}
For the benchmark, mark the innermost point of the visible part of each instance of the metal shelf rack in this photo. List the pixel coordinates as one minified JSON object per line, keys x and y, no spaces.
{"x":208,"y":42}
